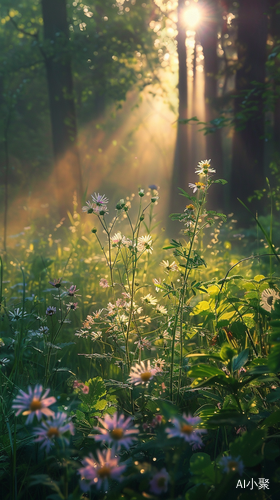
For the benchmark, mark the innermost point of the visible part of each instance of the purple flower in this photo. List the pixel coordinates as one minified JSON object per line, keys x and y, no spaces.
{"x":56,"y":427}
{"x":159,"y":483}
{"x":99,"y":472}
{"x":33,"y":403}
{"x":50,"y":311}
{"x":100,"y":200}
{"x":185,"y":428}
{"x":118,"y":431}
{"x":56,"y":283}
{"x":232,"y":464}
{"x":72,"y":291}
{"x":153,"y":186}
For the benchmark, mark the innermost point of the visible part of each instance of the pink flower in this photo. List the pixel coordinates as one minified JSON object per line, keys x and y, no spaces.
{"x":118,"y":431}
{"x":159,"y":483}
{"x":103,"y":283}
{"x":85,"y":389}
{"x":99,"y":472}
{"x":185,"y":428}
{"x":72,"y":291}
{"x":33,"y":403}
{"x":55,"y":428}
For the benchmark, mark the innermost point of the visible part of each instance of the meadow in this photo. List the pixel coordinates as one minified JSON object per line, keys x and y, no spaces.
{"x":137,"y":366}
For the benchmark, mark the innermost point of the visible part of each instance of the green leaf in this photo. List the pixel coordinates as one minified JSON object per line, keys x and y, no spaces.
{"x":272,"y":420}
{"x":249,"y":447}
{"x":101,"y":404}
{"x":240,"y":360}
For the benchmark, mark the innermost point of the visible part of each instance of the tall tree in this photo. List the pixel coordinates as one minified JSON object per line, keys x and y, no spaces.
{"x":68,"y":177}
{"x":208,"y":37}
{"x":274,"y":30}
{"x":180,"y":166}
{"x":248,"y":139}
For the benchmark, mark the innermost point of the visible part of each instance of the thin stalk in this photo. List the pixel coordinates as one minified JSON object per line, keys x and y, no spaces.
{"x":181,"y":304}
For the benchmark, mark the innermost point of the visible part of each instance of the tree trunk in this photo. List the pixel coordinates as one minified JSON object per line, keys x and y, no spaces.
{"x":248,"y":140}
{"x":208,"y":36}
{"x":68,"y":178}
{"x":275,"y":32}
{"x":180,"y":166}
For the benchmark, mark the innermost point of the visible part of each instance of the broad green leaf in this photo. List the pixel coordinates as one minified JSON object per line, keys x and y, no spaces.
{"x":240,"y":360}
{"x":200,"y":307}
{"x":249,"y":447}
{"x":259,"y":277}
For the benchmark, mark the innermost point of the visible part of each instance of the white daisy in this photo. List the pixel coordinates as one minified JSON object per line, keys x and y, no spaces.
{"x":145,"y":243}
{"x":149,"y":299}
{"x":268,"y":298}
{"x":196,"y":186}
{"x":203,"y":168}
{"x":169,"y":267}
{"x":141,"y":373}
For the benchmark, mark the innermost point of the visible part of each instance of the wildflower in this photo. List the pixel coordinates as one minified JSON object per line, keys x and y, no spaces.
{"x":103,"y":283}
{"x":185,"y":429}
{"x":161,"y":309}
{"x":159,"y":364}
{"x":32,"y":403}
{"x":99,"y":472}
{"x":80,"y":385}
{"x":120,"y":205}
{"x":17,"y":314}
{"x":111,"y":308}
{"x":116,"y":239}
{"x":88,"y":208}
{"x":189,"y":208}
{"x":117,"y":431}
{"x":126,"y":242}
{"x":95,"y":315}
{"x":159,"y":483}
{"x":141,"y":373}
{"x":72,"y":291}
{"x":100,"y":200}
{"x":56,"y":283}
{"x":50,"y":311}
{"x":149,"y":299}
{"x":169,"y":267}
{"x":268,"y":298}
{"x":154,"y":187}
{"x":55,"y":428}
{"x":203,"y":168}
{"x":43,"y":330}
{"x":143,"y":343}
{"x":145,"y":243}
{"x":121,"y":303}
{"x":141,"y":193}
{"x":232,"y":464}
{"x":72,"y":305}
{"x":197,"y":186}
{"x":157,"y":283}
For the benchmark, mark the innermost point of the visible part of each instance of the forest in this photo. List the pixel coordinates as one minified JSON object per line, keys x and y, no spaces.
{"x":139,"y":249}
